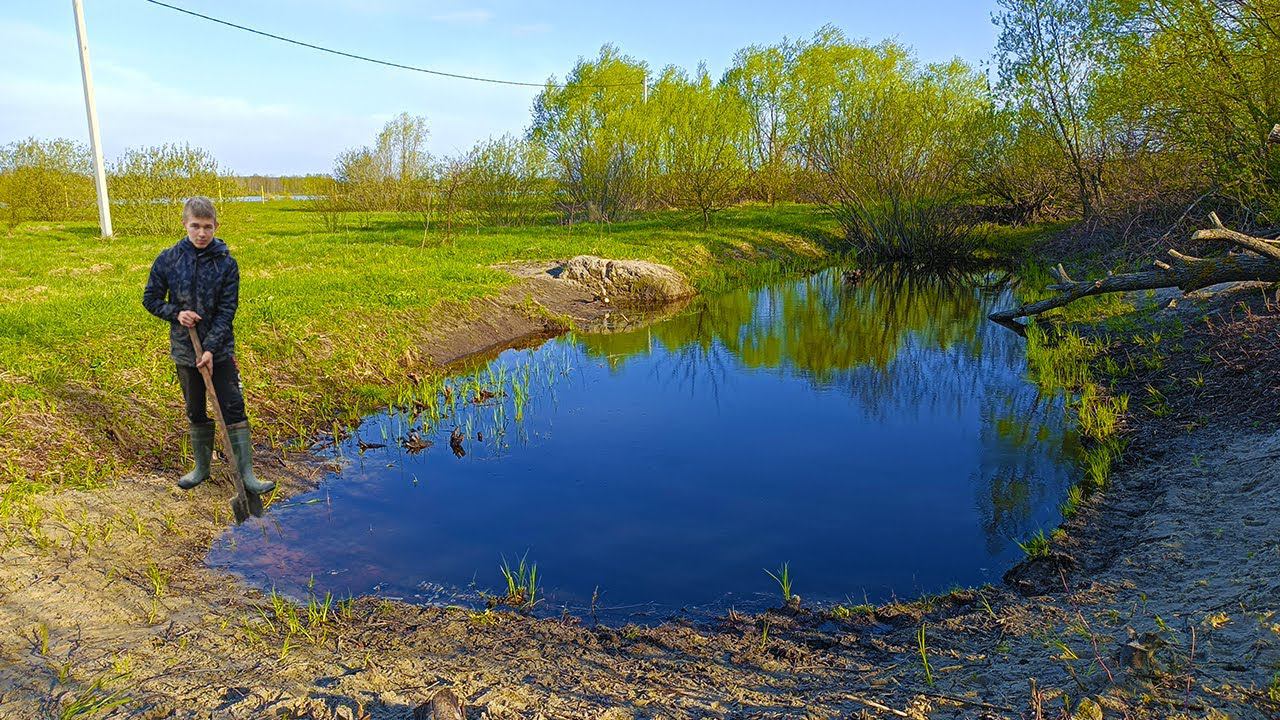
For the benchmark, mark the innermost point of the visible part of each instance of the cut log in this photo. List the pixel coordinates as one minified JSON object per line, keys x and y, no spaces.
{"x":1184,"y":272}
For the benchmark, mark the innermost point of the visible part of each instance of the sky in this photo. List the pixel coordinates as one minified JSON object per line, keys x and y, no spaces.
{"x":262,"y":106}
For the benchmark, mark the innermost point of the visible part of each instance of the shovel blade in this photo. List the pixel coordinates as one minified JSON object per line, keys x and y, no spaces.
{"x":239,"y":509}
{"x":255,"y":503}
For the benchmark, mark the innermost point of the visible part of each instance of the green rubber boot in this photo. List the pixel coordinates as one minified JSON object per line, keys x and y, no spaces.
{"x":202,"y":451}
{"x":242,"y":446}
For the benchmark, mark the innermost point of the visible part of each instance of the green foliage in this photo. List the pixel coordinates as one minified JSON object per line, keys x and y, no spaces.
{"x":1061,"y":361}
{"x":1154,"y":106}
{"x":504,"y":182}
{"x":1198,"y":79}
{"x":148,"y":185}
{"x":392,"y":174}
{"x":892,"y":142}
{"x":1019,"y":168}
{"x":46,"y":180}
{"x":762,"y":77}
{"x":922,"y":647}
{"x":93,"y":701}
{"x":1049,"y":55}
{"x":593,"y":127}
{"x":698,"y":144}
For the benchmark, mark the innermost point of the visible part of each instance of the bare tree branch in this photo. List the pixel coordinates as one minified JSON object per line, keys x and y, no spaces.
{"x":1266,"y":248}
{"x":1184,"y":272}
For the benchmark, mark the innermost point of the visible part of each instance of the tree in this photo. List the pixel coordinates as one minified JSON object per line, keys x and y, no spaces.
{"x":1199,"y":78}
{"x":761,"y":77}
{"x":1049,"y":60}
{"x":402,"y":158}
{"x":892,"y":143}
{"x":387,"y":176}
{"x":699,"y":142}
{"x":46,"y":180}
{"x":593,"y":130}
{"x":361,"y":182}
{"x":452,"y":175}
{"x":148,"y":185}
{"x":506,"y":180}
{"x":1019,"y":166}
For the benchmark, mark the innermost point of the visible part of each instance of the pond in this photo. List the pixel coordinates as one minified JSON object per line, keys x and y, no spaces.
{"x":880,"y":437}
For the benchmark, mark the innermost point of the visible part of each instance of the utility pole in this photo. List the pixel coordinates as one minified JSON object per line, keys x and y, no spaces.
{"x":95,"y":142}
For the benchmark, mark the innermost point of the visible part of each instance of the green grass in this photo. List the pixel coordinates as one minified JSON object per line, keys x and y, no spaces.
{"x":522,"y":583}
{"x":924,"y":655}
{"x":1036,"y":546}
{"x":1063,"y":360}
{"x":329,"y":323}
{"x":1006,"y":240}
{"x":783,"y":578}
{"x":93,"y":701}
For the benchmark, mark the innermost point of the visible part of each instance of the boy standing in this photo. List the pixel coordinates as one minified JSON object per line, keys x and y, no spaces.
{"x":196,"y":283}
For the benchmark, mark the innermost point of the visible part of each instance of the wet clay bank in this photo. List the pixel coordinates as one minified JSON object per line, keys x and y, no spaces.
{"x":1166,"y":610}
{"x":876,"y":435}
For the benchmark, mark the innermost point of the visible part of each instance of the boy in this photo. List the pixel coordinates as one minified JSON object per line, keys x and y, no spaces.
{"x":196,"y":283}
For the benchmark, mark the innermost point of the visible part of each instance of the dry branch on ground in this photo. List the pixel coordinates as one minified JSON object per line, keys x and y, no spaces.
{"x":1260,"y":260}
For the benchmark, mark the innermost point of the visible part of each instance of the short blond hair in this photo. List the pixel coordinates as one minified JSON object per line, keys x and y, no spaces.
{"x":199,"y":207}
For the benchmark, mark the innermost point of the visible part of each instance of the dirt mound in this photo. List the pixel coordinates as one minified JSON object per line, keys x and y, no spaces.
{"x":630,"y":281}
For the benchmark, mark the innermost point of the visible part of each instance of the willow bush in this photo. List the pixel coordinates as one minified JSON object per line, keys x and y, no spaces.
{"x":892,"y":143}
{"x":503,"y":181}
{"x":148,"y":186}
{"x":46,"y":180}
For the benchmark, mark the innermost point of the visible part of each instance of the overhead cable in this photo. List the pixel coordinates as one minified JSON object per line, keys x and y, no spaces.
{"x":388,"y":63}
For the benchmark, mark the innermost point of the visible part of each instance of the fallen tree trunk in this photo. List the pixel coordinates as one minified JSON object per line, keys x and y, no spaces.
{"x":1261,"y":261}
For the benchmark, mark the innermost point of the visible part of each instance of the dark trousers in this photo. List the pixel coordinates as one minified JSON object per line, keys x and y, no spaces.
{"x":226,"y":383}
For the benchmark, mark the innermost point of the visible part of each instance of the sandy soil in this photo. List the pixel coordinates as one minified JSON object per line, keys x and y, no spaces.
{"x":1160,"y":599}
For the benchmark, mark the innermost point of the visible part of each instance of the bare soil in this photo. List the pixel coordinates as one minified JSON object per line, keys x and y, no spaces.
{"x":1159,"y":600}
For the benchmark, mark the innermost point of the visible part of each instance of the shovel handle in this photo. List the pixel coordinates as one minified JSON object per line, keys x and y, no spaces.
{"x":223,"y":434}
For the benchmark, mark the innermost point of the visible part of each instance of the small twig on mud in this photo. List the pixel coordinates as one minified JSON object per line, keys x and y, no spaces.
{"x":875,"y":705}
{"x":828,"y":668}
{"x":1191,"y":660}
{"x":1037,"y":701}
{"x":963,"y":701}
{"x":1093,"y":638}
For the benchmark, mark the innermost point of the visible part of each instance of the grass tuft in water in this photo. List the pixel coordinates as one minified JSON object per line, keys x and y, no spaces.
{"x":783,"y":578}
{"x":522,"y":583}
{"x":1036,"y":546}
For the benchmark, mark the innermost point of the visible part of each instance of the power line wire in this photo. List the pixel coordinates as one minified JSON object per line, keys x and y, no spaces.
{"x":354,"y":56}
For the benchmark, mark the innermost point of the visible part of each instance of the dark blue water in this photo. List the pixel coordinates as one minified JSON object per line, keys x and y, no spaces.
{"x":882,"y":439}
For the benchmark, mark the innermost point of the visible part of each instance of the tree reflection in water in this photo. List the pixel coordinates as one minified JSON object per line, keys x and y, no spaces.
{"x":903,"y":343}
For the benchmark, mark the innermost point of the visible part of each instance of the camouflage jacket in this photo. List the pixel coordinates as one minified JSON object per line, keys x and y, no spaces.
{"x":207,"y":282}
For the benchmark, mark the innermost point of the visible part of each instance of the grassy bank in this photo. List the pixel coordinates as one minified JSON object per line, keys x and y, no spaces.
{"x":330,"y":323}
{"x":1069,"y":351}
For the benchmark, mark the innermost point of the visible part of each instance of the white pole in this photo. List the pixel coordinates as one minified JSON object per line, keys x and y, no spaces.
{"x":95,"y":142}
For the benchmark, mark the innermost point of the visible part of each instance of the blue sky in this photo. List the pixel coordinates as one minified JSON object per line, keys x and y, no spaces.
{"x":262,"y":106}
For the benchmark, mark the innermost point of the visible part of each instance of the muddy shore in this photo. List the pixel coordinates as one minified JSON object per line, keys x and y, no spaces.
{"x":1159,"y":599}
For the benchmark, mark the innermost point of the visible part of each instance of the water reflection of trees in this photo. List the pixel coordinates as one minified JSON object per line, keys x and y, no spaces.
{"x":817,"y":326}
{"x":902,"y":344}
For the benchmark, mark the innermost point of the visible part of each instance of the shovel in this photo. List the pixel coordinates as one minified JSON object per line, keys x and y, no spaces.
{"x":239,"y":501}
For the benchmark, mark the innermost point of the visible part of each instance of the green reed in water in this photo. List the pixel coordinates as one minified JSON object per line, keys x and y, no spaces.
{"x":783,"y":578}
{"x":522,"y":583}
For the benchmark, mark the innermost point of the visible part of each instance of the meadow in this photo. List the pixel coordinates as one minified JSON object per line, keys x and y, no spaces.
{"x":329,"y":325}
